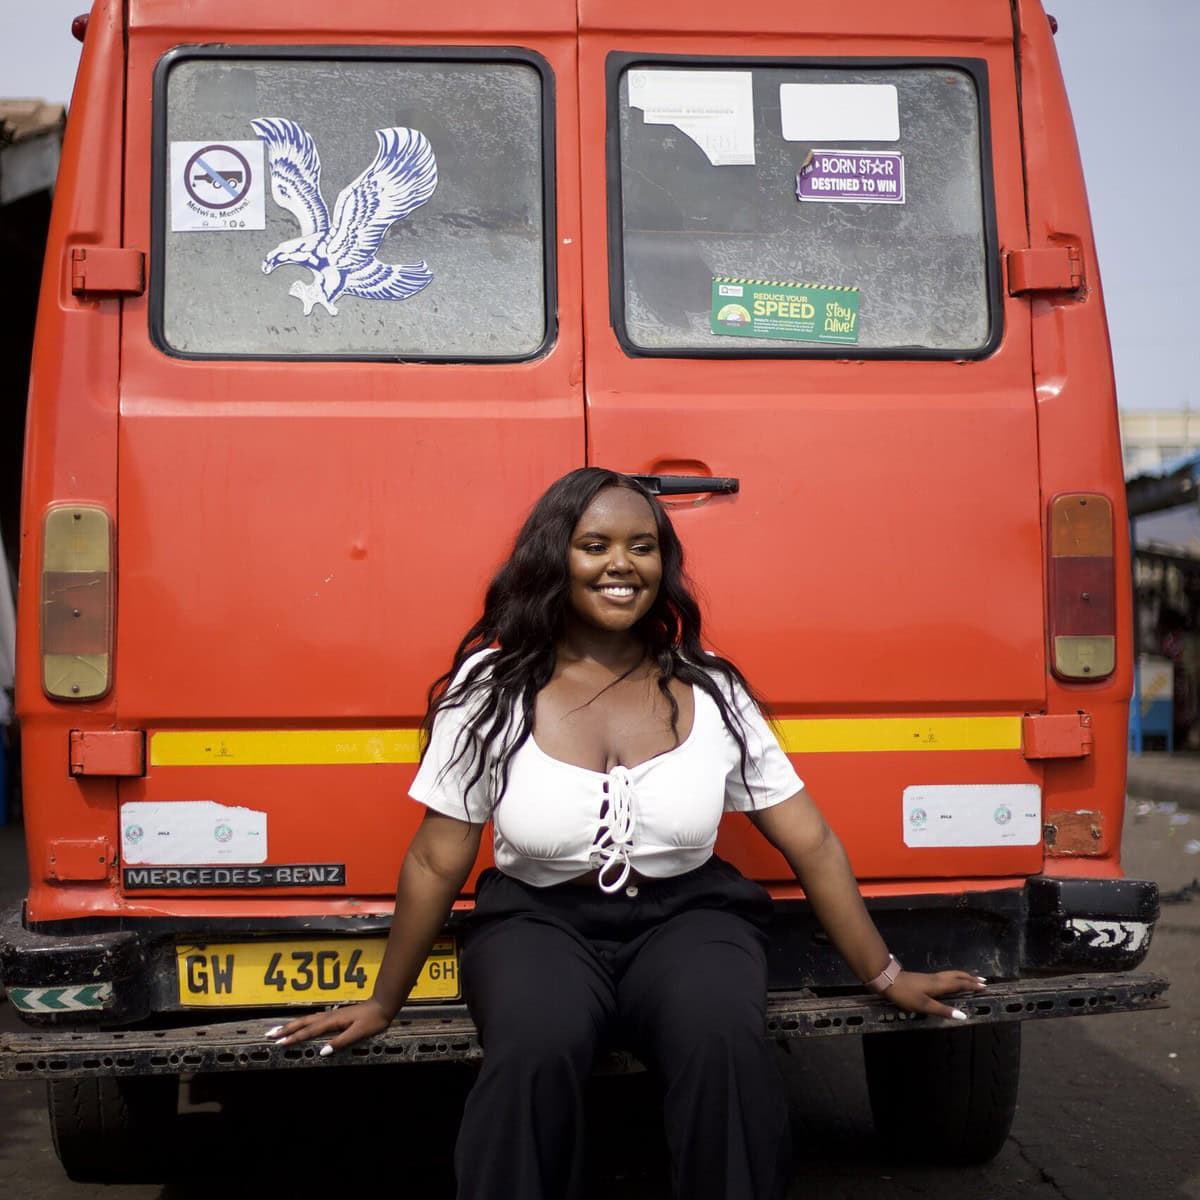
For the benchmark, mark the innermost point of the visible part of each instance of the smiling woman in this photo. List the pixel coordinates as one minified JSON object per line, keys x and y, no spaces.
{"x":583,"y":718}
{"x":615,"y":563}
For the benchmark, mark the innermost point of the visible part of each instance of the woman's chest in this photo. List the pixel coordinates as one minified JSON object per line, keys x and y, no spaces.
{"x":582,"y":722}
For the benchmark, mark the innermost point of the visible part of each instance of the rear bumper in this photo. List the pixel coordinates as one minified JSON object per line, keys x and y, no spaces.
{"x":1047,"y":927}
{"x":449,"y":1036}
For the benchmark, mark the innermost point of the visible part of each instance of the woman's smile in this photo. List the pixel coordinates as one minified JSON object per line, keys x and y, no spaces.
{"x":618,"y":592}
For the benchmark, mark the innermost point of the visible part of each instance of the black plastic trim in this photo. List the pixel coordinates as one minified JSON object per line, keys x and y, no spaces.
{"x":158,"y":184}
{"x":619,"y":61}
{"x":1135,"y":899}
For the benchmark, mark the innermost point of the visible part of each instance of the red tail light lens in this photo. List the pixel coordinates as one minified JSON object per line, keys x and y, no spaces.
{"x":1082,"y":577}
{"x":77,"y":602}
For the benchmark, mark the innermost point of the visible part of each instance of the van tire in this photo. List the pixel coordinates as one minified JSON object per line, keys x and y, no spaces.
{"x":113,"y":1129}
{"x":944,"y":1097}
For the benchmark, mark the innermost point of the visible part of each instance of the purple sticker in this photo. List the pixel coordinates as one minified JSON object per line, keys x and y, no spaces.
{"x":852,"y":177}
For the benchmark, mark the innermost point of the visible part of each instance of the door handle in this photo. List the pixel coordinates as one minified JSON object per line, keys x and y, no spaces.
{"x":686,"y":485}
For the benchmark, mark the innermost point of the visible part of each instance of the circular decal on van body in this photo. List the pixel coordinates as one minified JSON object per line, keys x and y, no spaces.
{"x":217,"y":177}
{"x":223,"y":832}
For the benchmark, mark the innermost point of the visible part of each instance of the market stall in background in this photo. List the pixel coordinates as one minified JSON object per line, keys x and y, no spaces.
{"x":1164,"y":510}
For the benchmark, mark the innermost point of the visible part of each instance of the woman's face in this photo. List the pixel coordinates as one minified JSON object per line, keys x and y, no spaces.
{"x":614,"y":561}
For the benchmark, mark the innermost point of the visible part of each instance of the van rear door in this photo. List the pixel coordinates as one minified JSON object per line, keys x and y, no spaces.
{"x":802,"y":291}
{"x":337,"y":399}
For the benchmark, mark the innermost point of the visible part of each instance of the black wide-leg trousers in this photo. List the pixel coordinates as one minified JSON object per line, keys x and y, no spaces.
{"x":674,"y":970}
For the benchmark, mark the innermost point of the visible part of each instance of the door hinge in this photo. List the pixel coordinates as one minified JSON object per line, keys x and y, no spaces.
{"x":1045,"y":269}
{"x":1056,"y":735}
{"x":113,"y":270}
{"x":108,"y":752}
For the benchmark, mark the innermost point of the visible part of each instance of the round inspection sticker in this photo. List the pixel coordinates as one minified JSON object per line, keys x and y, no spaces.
{"x":217,"y":177}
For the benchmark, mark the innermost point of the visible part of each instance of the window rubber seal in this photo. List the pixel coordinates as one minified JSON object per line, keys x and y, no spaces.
{"x":618,"y":62}
{"x":352,"y":53}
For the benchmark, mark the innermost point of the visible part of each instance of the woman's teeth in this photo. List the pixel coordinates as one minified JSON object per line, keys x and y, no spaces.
{"x":618,"y":591}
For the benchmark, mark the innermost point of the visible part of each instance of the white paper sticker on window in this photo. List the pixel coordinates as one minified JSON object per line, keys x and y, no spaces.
{"x":839,"y":112}
{"x":186,"y":832}
{"x":217,"y":185}
{"x":714,"y":108}
{"x":973,"y":814}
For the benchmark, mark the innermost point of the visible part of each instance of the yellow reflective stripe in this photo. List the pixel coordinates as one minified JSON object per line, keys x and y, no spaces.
{"x":851,"y":735}
{"x":283,"y":747}
{"x":310,"y":747}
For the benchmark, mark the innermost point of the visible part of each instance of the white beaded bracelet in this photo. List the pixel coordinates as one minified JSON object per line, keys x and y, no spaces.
{"x":886,"y":977}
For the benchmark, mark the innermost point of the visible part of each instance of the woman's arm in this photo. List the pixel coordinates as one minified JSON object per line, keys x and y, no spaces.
{"x":801,"y":834}
{"x":438,"y":861}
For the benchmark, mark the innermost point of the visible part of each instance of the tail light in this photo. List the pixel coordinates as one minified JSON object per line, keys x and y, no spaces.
{"x":1083,"y":610}
{"x":77,"y":602}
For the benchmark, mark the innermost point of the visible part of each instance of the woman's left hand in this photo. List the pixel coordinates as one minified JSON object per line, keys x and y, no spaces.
{"x":914,"y":991}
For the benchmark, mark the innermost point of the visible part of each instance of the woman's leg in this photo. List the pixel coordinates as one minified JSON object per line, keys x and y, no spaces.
{"x":541,"y":1001}
{"x":693,"y":1001}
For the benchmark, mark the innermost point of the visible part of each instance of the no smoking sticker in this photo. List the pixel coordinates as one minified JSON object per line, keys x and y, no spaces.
{"x":217,"y":185}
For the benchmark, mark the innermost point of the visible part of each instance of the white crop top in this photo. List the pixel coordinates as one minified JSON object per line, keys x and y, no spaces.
{"x":552,"y":823}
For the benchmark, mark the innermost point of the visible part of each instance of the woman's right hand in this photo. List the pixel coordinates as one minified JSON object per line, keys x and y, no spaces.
{"x":349,"y":1025}
{"x":434,"y":870}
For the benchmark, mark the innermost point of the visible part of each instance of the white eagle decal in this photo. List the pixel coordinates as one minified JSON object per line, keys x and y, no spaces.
{"x":341,"y":255}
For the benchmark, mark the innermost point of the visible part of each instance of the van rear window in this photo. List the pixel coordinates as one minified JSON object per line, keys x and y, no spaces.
{"x":329,"y":205}
{"x":827,"y":209}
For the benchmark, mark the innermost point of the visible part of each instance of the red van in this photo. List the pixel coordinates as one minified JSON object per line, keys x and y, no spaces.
{"x":333,"y":292}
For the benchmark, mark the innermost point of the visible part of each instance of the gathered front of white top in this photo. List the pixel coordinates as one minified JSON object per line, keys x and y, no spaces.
{"x":557,"y":821}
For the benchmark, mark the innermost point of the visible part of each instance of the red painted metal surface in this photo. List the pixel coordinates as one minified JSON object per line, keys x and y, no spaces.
{"x":108,"y":752}
{"x":300,"y":543}
{"x":1074,"y":391}
{"x":71,"y":449}
{"x":1046,"y":269}
{"x":1057,"y":735}
{"x":77,"y":860}
{"x":114,"y":269}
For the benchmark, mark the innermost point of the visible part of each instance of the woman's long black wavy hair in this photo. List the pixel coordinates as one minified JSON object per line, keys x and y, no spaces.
{"x":524,"y":614}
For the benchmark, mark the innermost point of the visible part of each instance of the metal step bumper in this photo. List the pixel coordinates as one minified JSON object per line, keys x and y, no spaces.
{"x":448,"y":1035}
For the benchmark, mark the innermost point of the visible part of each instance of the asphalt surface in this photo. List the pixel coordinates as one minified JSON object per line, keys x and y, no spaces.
{"x":1109,"y":1106}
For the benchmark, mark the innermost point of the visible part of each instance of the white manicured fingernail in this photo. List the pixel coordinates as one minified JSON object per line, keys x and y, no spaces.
{"x":958,"y":1014}
{"x":980,"y":979}
{"x":273,"y":1032}
{"x":326,"y":1051}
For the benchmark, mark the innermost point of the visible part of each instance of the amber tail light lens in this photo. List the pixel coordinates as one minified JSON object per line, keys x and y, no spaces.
{"x":77,"y":602}
{"x":1082,"y":579}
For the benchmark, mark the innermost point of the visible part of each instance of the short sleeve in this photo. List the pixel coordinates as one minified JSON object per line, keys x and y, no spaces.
{"x":441,"y":783}
{"x":769,"y":774}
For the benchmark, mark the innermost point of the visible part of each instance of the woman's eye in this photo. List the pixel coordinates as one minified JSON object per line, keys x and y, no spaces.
{"x":643,"y":549}
{"x":595,"y":548}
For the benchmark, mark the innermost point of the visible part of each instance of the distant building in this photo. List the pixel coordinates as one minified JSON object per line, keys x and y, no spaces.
{"x":1150,"y":438}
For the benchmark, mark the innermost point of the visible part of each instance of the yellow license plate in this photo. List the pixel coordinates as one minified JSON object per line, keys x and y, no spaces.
{"x":321,"y":971}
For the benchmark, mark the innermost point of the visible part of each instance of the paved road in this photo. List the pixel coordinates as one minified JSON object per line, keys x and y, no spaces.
{"x":1110,"y":1106}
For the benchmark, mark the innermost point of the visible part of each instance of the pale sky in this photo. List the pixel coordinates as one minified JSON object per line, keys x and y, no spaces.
{"x":1135,"y":94}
